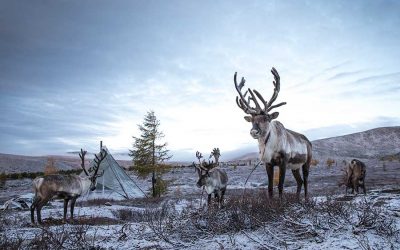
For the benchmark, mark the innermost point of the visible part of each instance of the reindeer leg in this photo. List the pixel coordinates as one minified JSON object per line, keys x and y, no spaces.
{"x":306,"y":171}
{"x":39,"y":206}
{"x":270,"y":173}
{"x":218,"y":196}
{"x":72,"y":207}
{"x":36,"y":199}
{"x":351,"y":182}
{"x":222,"y":194}
{"x":38,"y":211}
{"x":66,"y":200}
{"x":363,"y":186}
{"x":282,"y":173}
{"x":33,"y":214}
{"x":355,"y":185}
{"x":209,"y":200}
{"x":297,"y":176}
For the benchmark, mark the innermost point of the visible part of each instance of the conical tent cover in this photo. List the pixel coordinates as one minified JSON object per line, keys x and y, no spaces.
{"x":115,"y":178}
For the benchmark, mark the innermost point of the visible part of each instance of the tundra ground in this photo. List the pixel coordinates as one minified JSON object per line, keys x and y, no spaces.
{"x":248,"y":219}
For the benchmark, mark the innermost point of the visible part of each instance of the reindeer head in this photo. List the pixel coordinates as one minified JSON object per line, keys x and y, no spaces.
{"x":97,"y":161}
{"x":202,"y":169}
{"x":203,"y":175}
{"x":259,"y":117}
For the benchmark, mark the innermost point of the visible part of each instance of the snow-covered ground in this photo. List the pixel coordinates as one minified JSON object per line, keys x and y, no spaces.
{"x":248,"y":220}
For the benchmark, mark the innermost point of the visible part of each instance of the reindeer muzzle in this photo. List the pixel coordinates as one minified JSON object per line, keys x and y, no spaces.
{"x":255,"y":133}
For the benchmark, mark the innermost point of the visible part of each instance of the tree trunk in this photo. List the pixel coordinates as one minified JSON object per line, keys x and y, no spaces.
{"x":153,"y":181}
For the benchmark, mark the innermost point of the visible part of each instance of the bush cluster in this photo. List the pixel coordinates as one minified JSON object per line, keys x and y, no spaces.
{"x":33,"y":175}
{"x":283,"y":221}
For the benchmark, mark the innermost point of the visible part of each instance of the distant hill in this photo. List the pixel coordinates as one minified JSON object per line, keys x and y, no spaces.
{"x":373,"y":143}
{"x":20,"y":163}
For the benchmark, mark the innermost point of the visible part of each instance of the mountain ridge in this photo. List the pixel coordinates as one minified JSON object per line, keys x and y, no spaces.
{"x":373,"y":143}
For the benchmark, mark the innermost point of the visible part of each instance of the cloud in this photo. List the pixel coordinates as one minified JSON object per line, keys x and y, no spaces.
{"x":337,"y":66}
{"x":378,"y":78}
{"x":342,"y":75}
{"x":74,"y":73}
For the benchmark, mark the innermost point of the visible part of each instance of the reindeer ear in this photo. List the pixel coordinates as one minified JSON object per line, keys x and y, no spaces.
{"x":248,"y":118}
{"x":274,"y":115}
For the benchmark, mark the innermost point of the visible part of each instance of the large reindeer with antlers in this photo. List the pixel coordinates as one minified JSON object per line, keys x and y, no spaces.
{"x":278,"y":146}
{"x":66,"y":187}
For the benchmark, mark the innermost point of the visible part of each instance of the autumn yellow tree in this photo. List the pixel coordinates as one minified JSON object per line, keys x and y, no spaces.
{"x":330,"y":162}
{"x":314,"y":162}
{"x":50,"y":167}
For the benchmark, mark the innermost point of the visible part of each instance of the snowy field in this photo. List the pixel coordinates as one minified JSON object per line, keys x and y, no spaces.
{"x":248,"y":220}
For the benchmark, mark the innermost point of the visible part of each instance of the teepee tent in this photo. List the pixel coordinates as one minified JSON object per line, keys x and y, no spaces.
{"x":115,"y":179}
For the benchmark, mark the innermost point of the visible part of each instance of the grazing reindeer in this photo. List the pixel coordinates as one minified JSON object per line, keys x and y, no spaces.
{"x":213,"y":179}
{"x":67,"y":187}
{"x":356,"y":176}
{"x":278,"y":146}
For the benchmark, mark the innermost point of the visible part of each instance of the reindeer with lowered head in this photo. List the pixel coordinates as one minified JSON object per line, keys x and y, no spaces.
{"x":66,"y":187}
{"x":277,"y":145}
{"x":355,"y":176}
{"x":212,"y":178}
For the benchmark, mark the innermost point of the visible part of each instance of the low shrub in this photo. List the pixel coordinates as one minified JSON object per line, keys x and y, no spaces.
{"x":94,"y":202}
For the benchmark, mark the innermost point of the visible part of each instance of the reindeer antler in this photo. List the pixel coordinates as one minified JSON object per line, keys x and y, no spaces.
{"x":277,"y":87}
{"x":98,"y":160}
{"x":199,"y":156}
{"x":242,"y":103}
{"x":257,"y":110}
{"x":82,"y":156}
{"x":216,"y":154}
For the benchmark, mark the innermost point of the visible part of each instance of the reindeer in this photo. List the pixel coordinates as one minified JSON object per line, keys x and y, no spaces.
{"x":355,"y":174}
{"x":212,"y":178}
{"x":66,"y":187}
{"x":277,"y":145}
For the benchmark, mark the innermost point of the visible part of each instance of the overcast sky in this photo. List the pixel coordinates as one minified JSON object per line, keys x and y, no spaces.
{"x":76,"y":72}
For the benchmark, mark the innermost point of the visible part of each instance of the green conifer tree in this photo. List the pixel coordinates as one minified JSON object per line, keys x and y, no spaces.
{"x":147,"y":154}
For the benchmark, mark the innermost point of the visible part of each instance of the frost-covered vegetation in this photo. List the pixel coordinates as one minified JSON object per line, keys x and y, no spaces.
{"x":248,"y":220}
{"x":180,"y":219}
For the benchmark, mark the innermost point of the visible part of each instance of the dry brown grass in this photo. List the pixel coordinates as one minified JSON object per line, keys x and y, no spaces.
{"x":99,"y":202}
